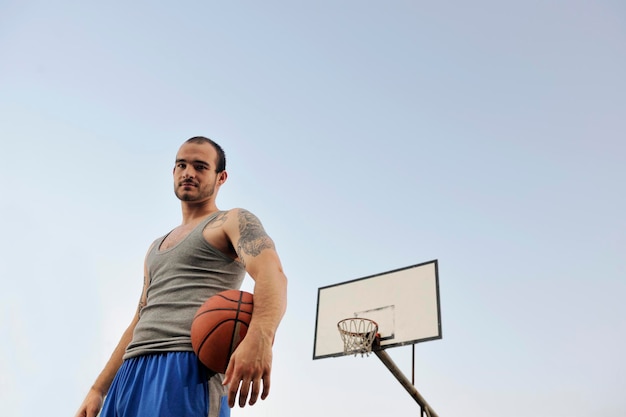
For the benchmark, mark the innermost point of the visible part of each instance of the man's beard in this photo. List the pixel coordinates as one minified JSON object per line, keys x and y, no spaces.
{"x":189,"y":196}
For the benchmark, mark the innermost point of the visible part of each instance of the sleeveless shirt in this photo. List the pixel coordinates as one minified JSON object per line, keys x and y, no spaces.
{"x":181,"y":278}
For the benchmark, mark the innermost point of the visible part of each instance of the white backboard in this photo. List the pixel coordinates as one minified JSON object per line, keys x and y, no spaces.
{"x":404,"y":303}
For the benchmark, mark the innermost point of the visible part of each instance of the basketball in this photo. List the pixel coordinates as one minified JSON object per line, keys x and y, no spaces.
{"x":218,"y":327}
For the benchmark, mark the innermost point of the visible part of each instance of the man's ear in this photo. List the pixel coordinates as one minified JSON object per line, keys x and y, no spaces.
{"x":222,"y":177}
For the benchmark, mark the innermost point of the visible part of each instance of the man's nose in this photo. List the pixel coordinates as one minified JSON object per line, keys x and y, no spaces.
{"x":188,"y":172}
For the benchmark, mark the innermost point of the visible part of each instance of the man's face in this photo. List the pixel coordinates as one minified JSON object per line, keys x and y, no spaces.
{"x":195,"y":178}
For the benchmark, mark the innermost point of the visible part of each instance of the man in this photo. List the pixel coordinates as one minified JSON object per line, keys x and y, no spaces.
{"x":153,"y":370}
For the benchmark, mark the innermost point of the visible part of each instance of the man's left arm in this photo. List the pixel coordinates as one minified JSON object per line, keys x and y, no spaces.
{"x":250,"y":365}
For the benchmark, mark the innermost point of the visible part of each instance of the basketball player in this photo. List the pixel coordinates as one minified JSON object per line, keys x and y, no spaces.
{"x":153,"y":371}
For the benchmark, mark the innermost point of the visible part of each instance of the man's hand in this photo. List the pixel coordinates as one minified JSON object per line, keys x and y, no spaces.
{"x":92,"y":404}
{"x":250,"y":367}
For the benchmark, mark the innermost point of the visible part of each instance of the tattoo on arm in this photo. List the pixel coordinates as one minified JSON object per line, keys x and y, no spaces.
{"x":142,"y":304}
{"x":253,"y":239}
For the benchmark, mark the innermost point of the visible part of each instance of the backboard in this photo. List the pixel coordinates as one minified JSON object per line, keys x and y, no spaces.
{"x":403,"y":302}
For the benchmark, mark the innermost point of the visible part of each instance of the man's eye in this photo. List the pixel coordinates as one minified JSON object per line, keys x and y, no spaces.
{"x":181,"y":166}
{"x":199,"y":167}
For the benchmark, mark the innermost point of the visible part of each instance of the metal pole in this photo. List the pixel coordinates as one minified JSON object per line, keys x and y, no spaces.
{"x":384,"y":357}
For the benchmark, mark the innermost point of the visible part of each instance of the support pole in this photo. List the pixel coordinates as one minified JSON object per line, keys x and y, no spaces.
{"x":389,"y":363}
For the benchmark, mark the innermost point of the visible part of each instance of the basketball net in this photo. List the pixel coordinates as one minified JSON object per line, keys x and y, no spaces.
{"x":358,"y":335}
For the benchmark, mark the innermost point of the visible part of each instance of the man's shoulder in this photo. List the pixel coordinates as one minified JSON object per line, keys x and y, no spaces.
{"x":231,"y":218}
{"x":238,"y":214}
{"x":238,"y":219}
{"x":236,"y":210}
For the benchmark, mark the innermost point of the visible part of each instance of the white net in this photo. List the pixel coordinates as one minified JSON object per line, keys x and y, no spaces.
{"x":357,"y":334}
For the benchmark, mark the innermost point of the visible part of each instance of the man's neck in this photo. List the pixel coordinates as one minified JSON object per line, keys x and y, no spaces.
{"x":192,"y":212}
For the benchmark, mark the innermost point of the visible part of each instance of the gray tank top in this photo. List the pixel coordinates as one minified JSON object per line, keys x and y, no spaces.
{"x":181,"y":278}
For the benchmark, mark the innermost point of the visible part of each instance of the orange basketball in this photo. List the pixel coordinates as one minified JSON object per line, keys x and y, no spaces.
{"x":219,"y":326}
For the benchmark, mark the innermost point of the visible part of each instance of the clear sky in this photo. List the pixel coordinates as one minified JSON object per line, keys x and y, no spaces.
{"x":367,"y":136}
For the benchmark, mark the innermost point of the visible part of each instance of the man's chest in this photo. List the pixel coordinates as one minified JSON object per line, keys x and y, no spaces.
{"x":214,"y":235}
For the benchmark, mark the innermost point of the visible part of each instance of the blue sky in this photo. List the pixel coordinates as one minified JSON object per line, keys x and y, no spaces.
{"x":367,"y":136}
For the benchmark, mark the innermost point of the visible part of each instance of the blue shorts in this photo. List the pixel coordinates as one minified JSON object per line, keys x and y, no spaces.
{"x":171,"y":384}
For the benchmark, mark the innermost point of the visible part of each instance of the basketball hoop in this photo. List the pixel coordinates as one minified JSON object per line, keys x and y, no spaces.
{"x":357,"y":334}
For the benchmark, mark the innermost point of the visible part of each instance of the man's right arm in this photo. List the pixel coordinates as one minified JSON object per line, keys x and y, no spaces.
{"x":95,"y":397}
{"x":93,"y":401}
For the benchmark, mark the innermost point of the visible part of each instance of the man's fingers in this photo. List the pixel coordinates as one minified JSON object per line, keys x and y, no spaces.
{"x":254,"y":395}
{"x":243,"y":392}
{"x":232,"y":393}
{"x":245,"y":389}
{"x":266,"y":386}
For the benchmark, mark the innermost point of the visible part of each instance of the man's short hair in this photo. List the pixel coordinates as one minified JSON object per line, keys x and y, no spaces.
{"x":221,"y":156}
